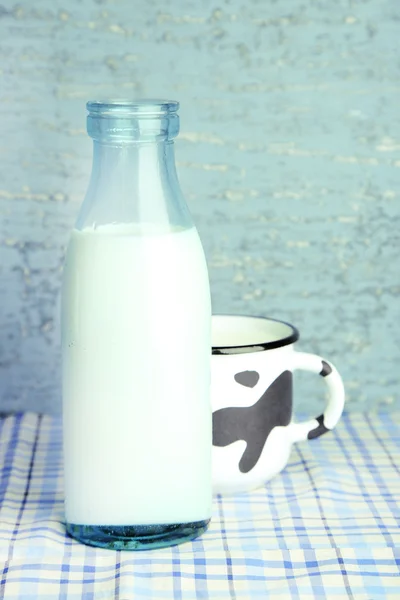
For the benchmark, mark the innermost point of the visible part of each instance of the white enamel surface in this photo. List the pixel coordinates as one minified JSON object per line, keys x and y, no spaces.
{"x":227,"y":479}
{"x":137,"y":418}
{"x":336,"y":394}
{"x":232,"y":330}
{"x":226,"y":392}
{"x":333,"y":411}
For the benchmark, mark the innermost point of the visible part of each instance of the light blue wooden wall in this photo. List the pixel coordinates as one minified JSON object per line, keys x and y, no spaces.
{"x":289,"y":156}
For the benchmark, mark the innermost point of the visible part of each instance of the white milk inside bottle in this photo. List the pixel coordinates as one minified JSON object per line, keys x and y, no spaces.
{"x":134,"y":301}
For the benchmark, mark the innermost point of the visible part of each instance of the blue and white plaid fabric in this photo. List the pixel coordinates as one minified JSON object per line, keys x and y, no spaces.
{"x":328,"y":527}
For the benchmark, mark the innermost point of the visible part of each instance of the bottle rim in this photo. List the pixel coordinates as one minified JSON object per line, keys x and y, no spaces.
{"x":147,"y":107}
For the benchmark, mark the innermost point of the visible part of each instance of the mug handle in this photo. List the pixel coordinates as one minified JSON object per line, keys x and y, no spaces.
{"x":328,"y":420}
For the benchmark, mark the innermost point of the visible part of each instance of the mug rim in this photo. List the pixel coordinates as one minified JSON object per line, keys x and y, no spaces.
{"x":259,"y":347}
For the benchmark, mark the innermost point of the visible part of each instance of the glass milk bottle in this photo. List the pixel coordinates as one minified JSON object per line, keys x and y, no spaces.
{"x":136,"y":322}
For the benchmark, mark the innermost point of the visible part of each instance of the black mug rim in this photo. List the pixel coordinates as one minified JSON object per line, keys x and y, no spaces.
{"x":260,"y":347}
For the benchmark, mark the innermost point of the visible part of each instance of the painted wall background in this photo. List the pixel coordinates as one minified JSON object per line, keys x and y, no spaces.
{"x":289,"y":156}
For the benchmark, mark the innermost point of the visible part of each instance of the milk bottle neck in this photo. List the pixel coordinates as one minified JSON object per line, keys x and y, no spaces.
{"x":148,"y":167}
{"x":134,"y":178}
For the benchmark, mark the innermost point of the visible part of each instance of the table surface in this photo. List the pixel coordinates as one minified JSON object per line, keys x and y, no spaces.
{"x":327,"y":527}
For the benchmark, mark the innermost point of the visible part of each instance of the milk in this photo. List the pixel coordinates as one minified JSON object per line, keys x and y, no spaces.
{"x":136,"y":360}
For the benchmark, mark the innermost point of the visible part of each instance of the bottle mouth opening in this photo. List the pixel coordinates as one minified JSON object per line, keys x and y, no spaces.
{"x":132,"y":120}
{"x":121,"y":108}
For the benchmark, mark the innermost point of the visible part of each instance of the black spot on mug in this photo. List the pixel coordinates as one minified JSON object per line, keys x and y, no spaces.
{"x":253,"y":359}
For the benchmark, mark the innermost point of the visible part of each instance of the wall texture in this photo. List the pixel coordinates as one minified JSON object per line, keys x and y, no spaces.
{"x":289,"y":157}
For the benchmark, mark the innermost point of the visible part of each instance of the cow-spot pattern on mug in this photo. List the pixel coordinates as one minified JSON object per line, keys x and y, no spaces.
{"x":253,"y":359}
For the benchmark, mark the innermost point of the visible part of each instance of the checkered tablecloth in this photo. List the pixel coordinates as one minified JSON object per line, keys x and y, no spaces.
{"x":327,"y":527}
